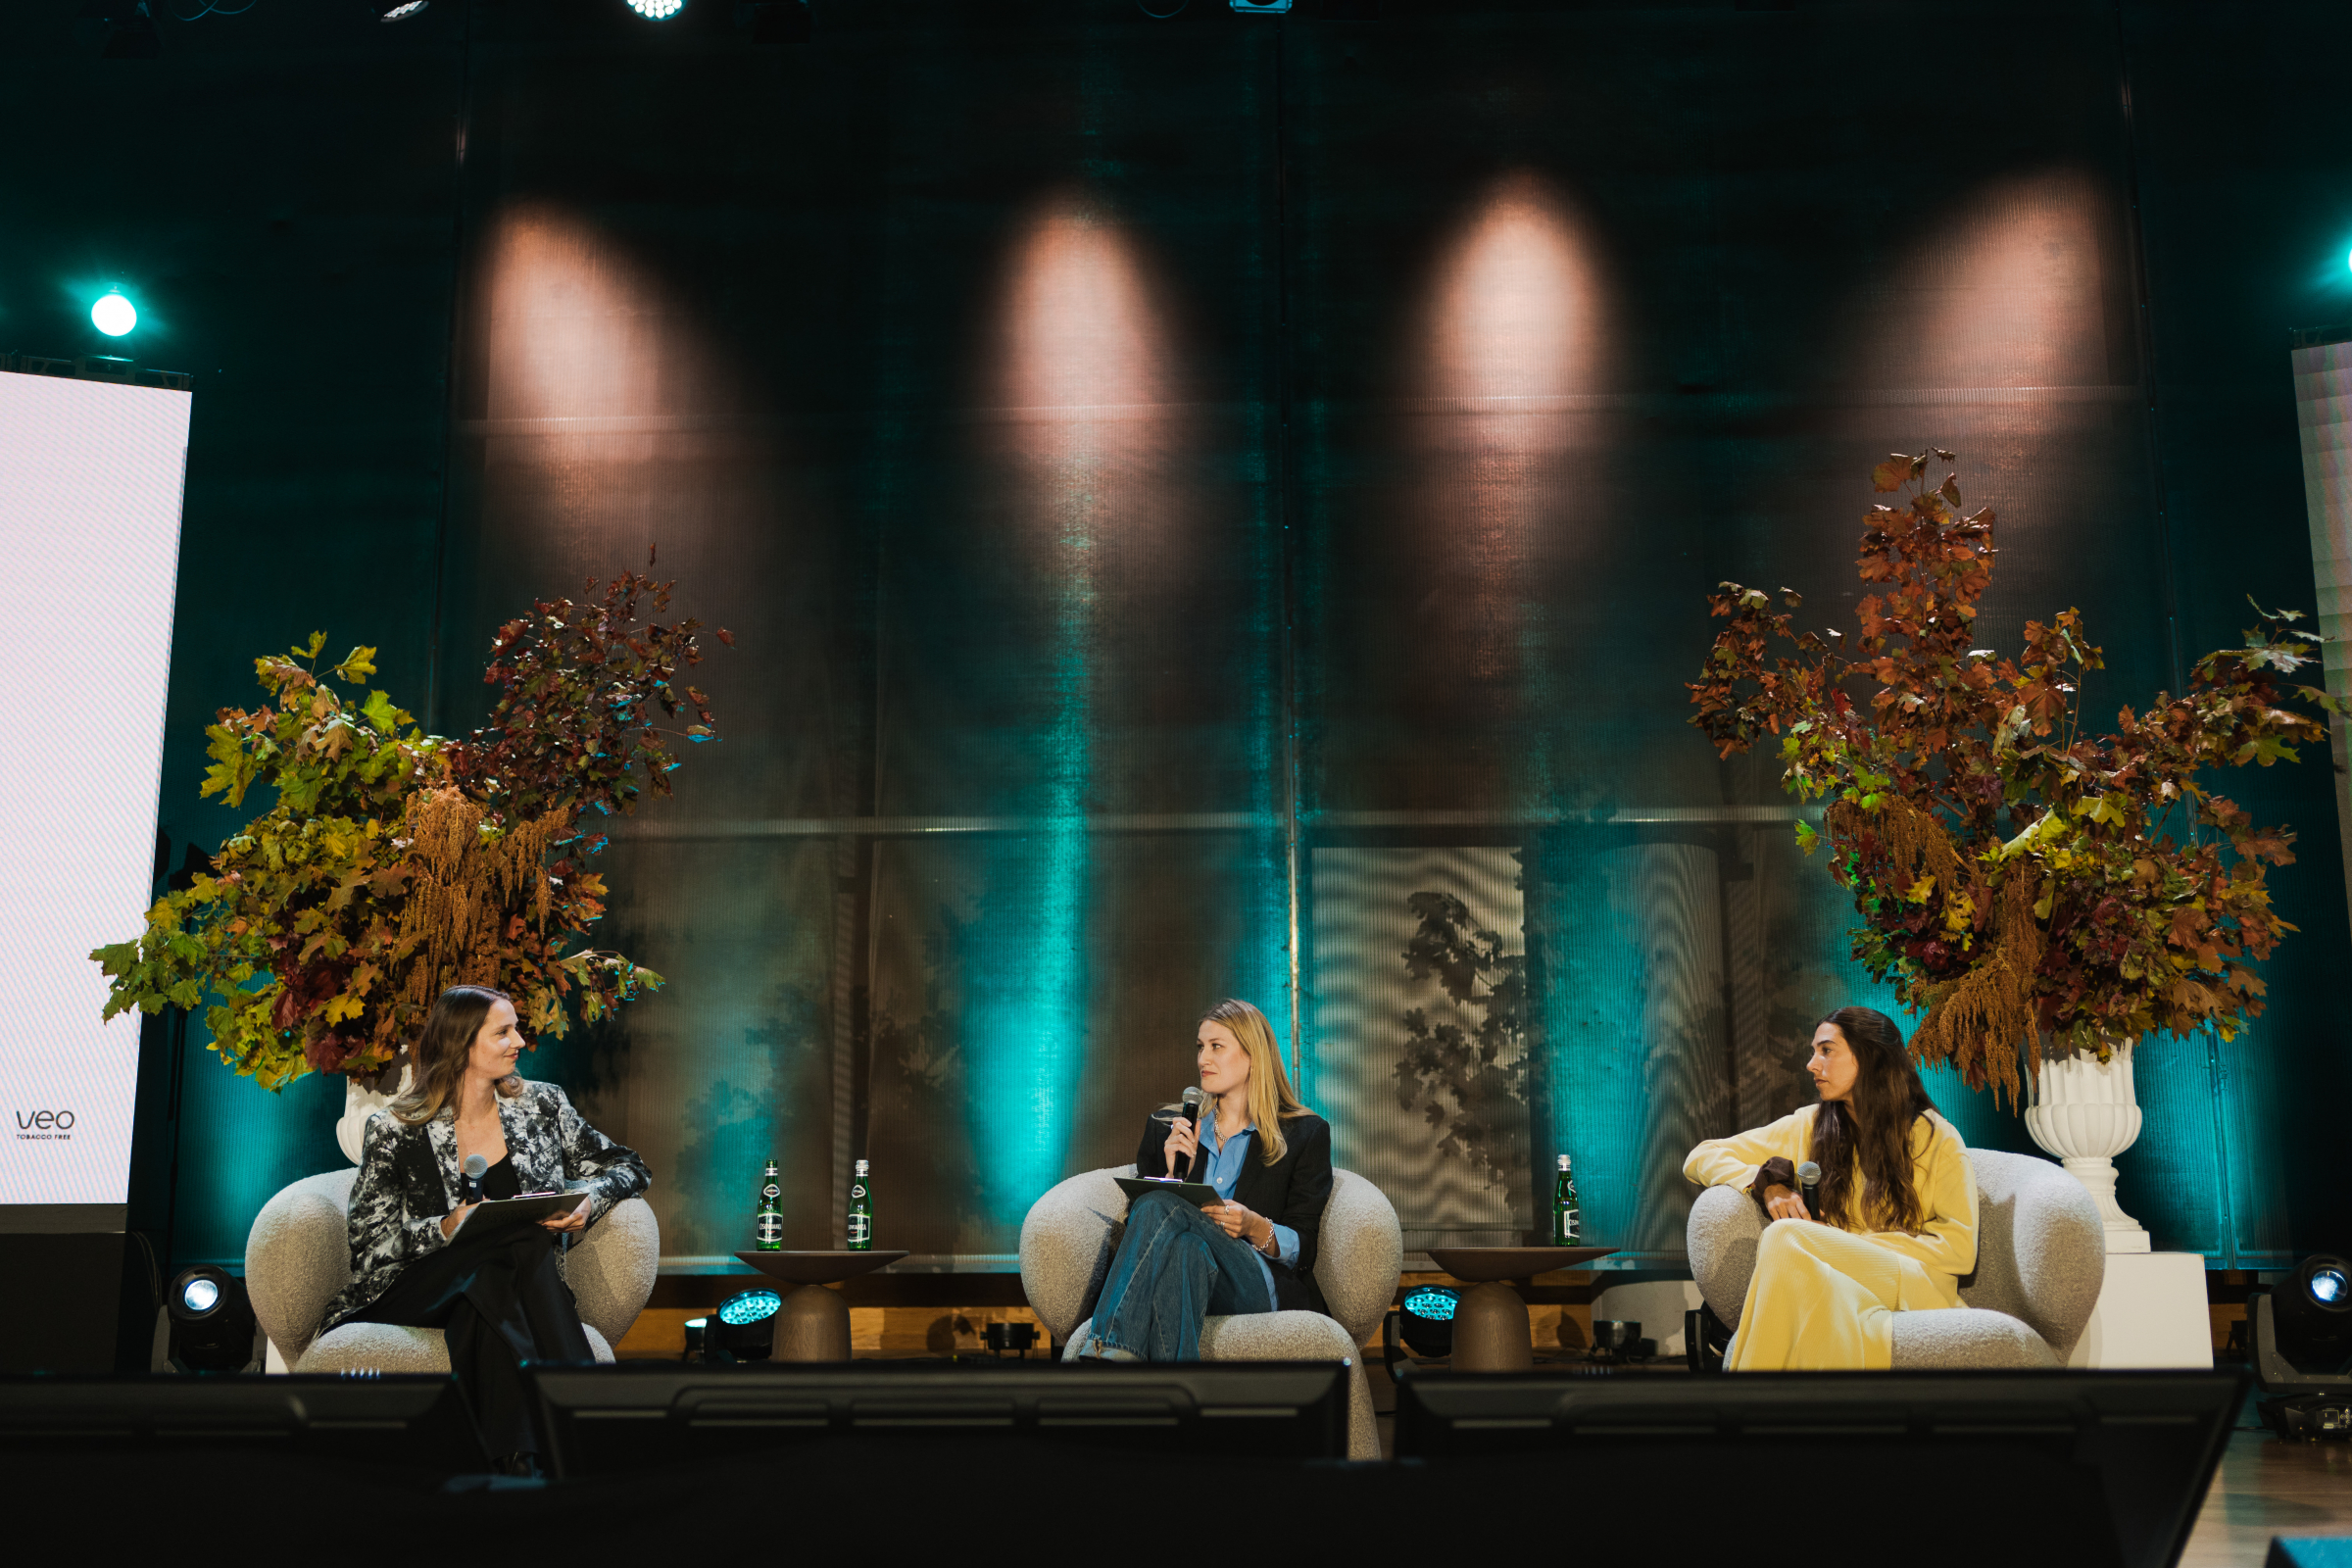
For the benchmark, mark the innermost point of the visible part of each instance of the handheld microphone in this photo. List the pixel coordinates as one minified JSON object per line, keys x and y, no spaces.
{"x":1192,"y":1116}
{"x":1808,"y":1177}
{"x":475,"y":1168}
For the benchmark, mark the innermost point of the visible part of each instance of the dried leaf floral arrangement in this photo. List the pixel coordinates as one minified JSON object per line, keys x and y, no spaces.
{"x":393,"y":864}
{"x":2019,"y":877}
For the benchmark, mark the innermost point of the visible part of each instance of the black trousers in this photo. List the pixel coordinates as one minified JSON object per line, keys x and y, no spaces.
{"x":500,"y":1301}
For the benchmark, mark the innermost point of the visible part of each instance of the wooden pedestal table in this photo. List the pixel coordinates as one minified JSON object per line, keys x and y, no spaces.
{"x":1491,"y":1332}
{"x":814,"y":1323}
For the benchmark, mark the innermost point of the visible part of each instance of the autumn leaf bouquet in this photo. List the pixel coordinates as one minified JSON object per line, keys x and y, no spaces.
{"x":2020,"y":878}
{"x":392,"y":863}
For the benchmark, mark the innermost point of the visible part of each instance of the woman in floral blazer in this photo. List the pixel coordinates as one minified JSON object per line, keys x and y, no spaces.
{"x":498,"y":1299}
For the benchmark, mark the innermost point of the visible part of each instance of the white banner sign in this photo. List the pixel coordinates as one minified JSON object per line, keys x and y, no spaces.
{"x":90,"y":482}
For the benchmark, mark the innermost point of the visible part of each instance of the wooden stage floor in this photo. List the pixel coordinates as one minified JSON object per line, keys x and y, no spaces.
{"x":2268,"y":1487}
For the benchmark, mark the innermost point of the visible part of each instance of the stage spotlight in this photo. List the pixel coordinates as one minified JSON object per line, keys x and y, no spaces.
{"x":1428,"y":1321}
{"x":657,"y":9}
{"x":2312,"y":1315}
{"x":745,"y":1329}
{"x":211,"y":1325}
{"x":114,"y":314}
{"x":400,"y":12}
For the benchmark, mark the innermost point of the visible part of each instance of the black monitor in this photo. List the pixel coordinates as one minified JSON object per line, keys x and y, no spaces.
{"x":2090,"y":1466}
{"x":610,"y":1420}
{"x":410,"y":1421}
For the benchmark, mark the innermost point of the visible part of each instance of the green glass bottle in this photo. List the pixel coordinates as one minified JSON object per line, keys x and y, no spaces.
{"x":1567,"y":1227}
{"x":861,"y":1211}
{"x":767,"y":1227}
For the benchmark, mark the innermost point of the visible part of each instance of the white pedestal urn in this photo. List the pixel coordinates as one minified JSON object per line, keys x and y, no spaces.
{"x":360,"y":1101}
{"x":2085,"y":1112}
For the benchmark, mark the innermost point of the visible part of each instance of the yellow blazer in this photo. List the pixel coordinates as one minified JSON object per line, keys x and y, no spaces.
{"x":1944,"y":1246}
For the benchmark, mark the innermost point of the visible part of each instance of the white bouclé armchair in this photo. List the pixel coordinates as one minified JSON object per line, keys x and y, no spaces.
{"x":2041,"y":1258}
{"x":298,"y":1255}
{"x":1070,"y":1234}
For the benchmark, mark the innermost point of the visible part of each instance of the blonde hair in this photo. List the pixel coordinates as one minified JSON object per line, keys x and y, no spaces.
{"x":1270,"y":1095}
{"x":439,"y":1056}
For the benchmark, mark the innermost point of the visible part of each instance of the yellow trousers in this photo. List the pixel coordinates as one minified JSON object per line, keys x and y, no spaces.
{"x":1823,"y":1299}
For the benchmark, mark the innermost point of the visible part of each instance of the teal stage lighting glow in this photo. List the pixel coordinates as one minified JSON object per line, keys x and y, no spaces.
{"x":657,"y":9}
{"x":114,"y":314}
{"x":752,"y":1306}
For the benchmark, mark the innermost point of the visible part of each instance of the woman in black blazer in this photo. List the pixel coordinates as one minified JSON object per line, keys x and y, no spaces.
{"x":1268,"y":1156}
{"x":498,"y":1297}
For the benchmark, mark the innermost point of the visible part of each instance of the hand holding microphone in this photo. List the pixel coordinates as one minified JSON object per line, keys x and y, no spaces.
{"x":1184,"y":1136}
{"x":1795,"y":1204}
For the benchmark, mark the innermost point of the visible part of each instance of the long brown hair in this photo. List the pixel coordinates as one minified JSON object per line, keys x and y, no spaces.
{"x":1871,"y":1128}
{"x":439,"y":1057}
{"x":1270,"y":1095}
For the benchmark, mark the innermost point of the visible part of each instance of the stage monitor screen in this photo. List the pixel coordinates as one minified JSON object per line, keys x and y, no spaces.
{"x":90,"y":481}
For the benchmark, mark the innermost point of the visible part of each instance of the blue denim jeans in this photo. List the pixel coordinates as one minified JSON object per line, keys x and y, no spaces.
{"x":1174,"y":1269}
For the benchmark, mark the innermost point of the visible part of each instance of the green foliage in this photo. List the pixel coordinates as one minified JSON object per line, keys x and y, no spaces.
{"x":390,"y":866}
{"x":2017,"y":874}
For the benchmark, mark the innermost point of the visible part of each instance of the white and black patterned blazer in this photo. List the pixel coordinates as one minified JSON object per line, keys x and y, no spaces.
{"x":409,"y":1179}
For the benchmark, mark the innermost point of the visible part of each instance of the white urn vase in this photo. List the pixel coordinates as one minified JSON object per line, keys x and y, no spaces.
{"x":360,"y":1101}
{"x":2085,"y":1111}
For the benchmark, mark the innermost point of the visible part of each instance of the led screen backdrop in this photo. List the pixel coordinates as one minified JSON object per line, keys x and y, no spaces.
{"x":90,"y":479}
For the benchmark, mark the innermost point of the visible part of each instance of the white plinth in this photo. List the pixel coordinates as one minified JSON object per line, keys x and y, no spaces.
{"x":1657,"y":1305}
{"x":2151,"y":1313}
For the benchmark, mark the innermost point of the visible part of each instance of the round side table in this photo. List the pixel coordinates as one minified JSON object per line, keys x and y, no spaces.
{"x":814,"y":1323}
{"x":1491,"y":1332}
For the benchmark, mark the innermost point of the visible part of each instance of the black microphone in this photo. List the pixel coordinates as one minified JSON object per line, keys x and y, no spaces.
{"x":475,"y":1168}
{"x":1808,"y":1177}
{"x":1192,"y":1116}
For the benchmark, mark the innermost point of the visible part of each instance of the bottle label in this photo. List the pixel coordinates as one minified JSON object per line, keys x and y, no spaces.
{"x":771,"y":1192}
{"x":860,"y":1230}
{"x":770,"y":1232}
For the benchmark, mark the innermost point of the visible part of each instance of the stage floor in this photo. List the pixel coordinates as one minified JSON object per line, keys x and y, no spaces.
{"x":2268,"y":1487}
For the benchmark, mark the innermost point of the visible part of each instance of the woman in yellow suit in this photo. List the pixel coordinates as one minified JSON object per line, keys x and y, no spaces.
{"x":1897,"y":1202}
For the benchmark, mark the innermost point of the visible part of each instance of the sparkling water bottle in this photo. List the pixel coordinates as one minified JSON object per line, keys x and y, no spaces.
{"x":861,"y":1211}
{"x":768,"y":1226}
{"x":1567,"y":1228}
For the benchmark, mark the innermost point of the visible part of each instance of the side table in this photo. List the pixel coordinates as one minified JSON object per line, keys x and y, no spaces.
{"x":814,"y":1323}
{"x":1491,"y":1332}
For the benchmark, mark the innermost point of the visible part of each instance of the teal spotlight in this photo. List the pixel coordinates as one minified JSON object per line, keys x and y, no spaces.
{"x":114,"y":314}
{"x":657,"y":9}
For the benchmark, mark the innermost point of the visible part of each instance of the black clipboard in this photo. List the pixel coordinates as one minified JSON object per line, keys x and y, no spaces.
{"x":1198,"y":1193}
{"x":502,"y":1214}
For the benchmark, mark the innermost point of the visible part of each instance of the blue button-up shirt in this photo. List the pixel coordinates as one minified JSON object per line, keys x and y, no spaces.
{"x":1226,"y":1160}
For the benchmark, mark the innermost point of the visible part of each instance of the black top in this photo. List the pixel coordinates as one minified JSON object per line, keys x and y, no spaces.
{"x":500,"y":1180}
{"x":1290,"y":1191}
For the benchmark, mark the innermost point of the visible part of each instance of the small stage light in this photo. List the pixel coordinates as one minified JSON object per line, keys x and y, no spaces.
{"x":1428,"y":1324}
{"x":210,"y":1323}
{"x":114,"y":314}
{"x":400,"y":12}
{"x":746,"y":1327}
{"x":657,"y":9}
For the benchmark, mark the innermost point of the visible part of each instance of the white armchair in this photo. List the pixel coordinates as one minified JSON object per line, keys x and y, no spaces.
{"x":298,"y":1255}
{"x":1070,"y":1234}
